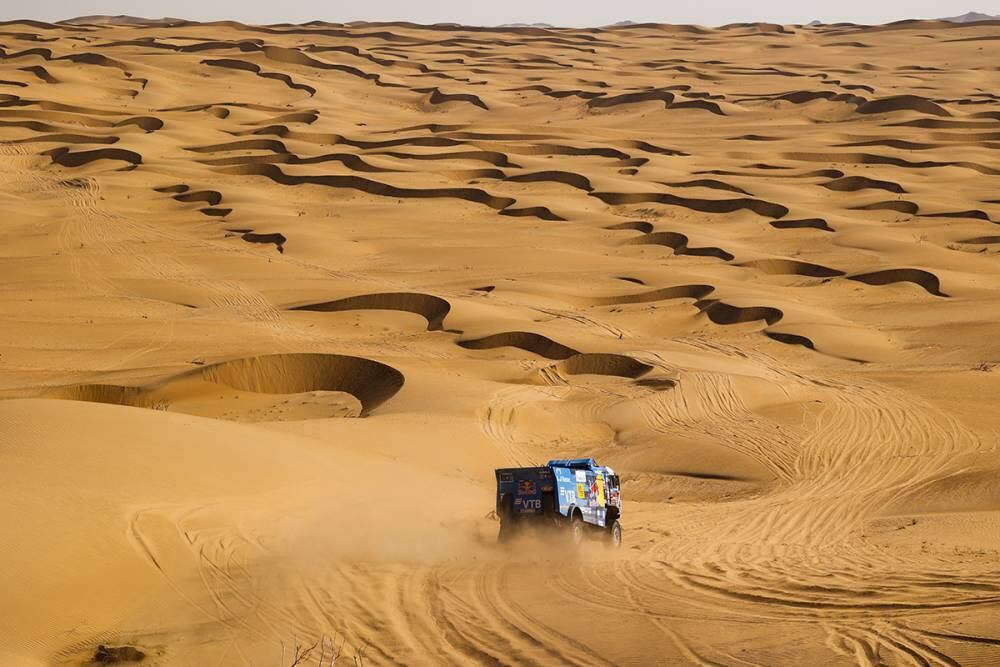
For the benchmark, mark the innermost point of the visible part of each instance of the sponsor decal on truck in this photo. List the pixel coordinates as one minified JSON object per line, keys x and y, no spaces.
{"x":528,"y":503}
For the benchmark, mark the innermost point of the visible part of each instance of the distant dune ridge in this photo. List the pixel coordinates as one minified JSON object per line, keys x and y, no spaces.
{"x":972,"y":17}
{"x":278,"y":300}
{"x":122,"y":19}
{"x":526,"y":25}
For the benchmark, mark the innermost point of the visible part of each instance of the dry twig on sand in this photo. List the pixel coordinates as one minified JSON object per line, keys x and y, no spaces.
{"x":330,"y":650}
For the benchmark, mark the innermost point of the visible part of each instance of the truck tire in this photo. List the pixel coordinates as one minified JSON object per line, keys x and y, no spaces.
{"x":614,"y":534}
{"x":577,"y":529}
{"x":549,"y":509}
{"x":506,"y":508}
{"x":508,"y":520}
{"x":507,"y":532}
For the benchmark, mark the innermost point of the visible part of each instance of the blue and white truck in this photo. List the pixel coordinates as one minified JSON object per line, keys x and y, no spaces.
{"x":573,"y":494}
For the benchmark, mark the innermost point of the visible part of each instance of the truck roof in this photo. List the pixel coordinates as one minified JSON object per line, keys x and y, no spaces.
{"x":573,"y":463}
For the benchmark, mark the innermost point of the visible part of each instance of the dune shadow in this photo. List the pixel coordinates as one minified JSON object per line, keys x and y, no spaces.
{"x":432,"y":308}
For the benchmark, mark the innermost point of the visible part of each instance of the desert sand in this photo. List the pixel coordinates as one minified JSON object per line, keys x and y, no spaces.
{"x":276,"y":301}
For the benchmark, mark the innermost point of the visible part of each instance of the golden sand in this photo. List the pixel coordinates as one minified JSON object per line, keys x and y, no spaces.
{"x":276,"y":301}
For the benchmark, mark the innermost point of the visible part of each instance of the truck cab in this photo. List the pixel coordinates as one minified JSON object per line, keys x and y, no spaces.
{"x":576,"y":494}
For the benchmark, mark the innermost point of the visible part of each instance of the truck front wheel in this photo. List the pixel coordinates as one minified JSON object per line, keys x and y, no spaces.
{"x":614,"y":536}
{"x":577,"y":529}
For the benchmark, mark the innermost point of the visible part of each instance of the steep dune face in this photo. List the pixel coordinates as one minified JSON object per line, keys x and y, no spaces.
{"x":292,"y":376}
{"x":278,"y":299}
{"x":432,"y":308}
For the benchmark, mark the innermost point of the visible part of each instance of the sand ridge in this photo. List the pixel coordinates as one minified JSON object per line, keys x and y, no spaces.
{"x":278,"y":299}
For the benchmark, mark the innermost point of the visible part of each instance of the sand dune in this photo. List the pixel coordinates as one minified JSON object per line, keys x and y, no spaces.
{"x":434,"y":309}
{"x":525,"y":340}
{"x":370,"y":382}
{"x":277,"y":300}
{"x":762,"y":208}
{"x":793,"y":267}
{"x":679,"y":243}
{"x":808,"y":223}
{"x":925,"y":279}
{"x":605,"y":364}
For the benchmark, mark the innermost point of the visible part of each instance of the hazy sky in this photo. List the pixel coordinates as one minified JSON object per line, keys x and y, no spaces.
{"x":492,"y":12}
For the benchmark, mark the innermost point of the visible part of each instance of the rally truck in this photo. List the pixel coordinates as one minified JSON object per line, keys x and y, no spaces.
{"x":575,"y":495}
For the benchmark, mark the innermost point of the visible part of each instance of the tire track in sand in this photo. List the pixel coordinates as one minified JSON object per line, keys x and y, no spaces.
{"x":799,"y":552}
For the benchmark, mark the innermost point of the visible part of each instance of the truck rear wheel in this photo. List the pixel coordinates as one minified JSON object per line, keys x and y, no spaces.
{"x":550,"y":510}
{"x":548,"y":504}
{"x":614,"y":536}
{"x":507,"y":531}
{"x":506,"y":507}
{"x":507,"y":520}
